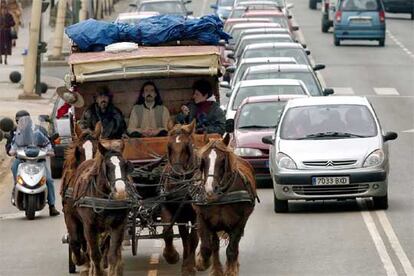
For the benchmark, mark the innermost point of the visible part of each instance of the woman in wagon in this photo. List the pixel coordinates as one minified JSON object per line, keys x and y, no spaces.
{"x":104,"y":111}
{"x":149,"y":117}
{"x":6,"y":22}
{"x":209,"y":116}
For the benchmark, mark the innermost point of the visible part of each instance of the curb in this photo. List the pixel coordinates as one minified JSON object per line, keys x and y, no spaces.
{"x":55,"y":63}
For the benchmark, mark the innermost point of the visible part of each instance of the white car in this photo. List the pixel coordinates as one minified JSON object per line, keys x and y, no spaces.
{"x":329,"y":148}
{"x":236,"y":29}
{"x":265,"y":87}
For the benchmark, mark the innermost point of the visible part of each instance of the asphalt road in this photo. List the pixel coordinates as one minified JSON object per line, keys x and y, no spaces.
{"x":315,"y":238}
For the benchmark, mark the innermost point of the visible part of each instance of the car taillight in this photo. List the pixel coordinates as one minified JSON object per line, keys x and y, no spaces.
{"x":382,"y":16}
{"x":338,"y":16}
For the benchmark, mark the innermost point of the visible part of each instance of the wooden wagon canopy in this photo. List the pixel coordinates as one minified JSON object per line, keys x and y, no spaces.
{"x":145,"y":62}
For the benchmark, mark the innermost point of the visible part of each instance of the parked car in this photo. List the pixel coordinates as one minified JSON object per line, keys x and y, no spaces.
{"x":328,"y":14}
{"x":236,"y":29}
{"x":232,"y":21}
{"x":279,"y":49}
{"x":329,"y":148}
{"x":258,"y":31}
{"x":360,"y":20}
{"x":60,"y":125}
{"x":399,"y":6}
{"x":133,"y":17}
{"x":256,"y":118}
{"x":280,"y":5}
{"x":313,"y":4}
{"x":301,"y":72}
{"x":172,"y":7}
{"x":267,"y":87}
{"x":222,"y":8}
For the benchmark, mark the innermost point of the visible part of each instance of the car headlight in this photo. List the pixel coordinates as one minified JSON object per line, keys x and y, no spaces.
{"x":31,"y":169}
{"x":244,"y":152}
{"x":374,"y":159}
{"x":285,"y":162}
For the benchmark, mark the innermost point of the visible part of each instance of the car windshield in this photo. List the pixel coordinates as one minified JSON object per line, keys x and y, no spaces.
{"x":173,"y":7}
{"x":225,"y":2}
{"x":360,"y":5}
{"x":265,"y":90}
{"x":298,"y":54}
{"x":307,"y":77}
{"x":259,"y":115}
{"x":243,"y":67}
{"x":328,"y":122}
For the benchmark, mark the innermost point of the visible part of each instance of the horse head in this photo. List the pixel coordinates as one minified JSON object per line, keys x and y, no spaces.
{"x":116,"y":171}
{"x":180,"y":146}
{"x":217,"y":168}
{"x":86,"y":142}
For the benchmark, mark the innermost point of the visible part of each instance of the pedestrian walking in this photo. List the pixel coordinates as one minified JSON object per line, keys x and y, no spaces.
{"x":6,"y":22}
{"x":15,"y":9}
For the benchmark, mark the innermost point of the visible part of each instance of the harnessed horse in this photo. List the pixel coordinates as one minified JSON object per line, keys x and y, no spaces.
{"x":224,"y":201}
{"x":105,"y":177}
{"x":83,"y":147}
{"x":177,"y":176}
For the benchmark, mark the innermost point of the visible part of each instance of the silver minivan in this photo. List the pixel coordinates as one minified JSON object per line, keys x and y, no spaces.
{"x":329,"y":148}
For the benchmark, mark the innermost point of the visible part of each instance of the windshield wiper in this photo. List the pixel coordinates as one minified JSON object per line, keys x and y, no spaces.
{"x":332,"y":134}
{"x":255,"y":126}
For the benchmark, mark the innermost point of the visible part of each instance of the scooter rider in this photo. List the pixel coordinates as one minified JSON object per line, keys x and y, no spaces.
{"x":11,"y":148}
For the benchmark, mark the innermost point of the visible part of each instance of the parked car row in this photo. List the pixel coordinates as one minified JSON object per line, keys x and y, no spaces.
{"x":310,"y":146}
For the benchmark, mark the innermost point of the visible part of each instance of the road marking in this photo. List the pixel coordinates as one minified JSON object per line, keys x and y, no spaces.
{"x":155,"y":259}
{"x":11,"y":216}
{"x":343,"y":91}
{"x":402,"y":46}
{"x":395,"y":244}
{"x":386,"y":91}
{"x":376,"y":238}
{"x":408,"y":131}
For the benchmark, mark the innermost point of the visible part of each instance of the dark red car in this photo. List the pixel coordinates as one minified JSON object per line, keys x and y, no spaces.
{"x":255,"y":118}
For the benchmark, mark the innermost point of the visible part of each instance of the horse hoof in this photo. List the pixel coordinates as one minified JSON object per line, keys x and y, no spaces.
{"x":201,"y":264}
{"x":171,"y":256}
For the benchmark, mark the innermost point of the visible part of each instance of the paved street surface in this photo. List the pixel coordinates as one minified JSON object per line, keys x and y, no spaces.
{"x":315,"y":238}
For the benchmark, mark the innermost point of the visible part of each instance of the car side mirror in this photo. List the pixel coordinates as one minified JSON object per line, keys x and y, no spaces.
{"x":231,"y":56}
{"x":133,"y":5}
{"x":268,"y":140}
{"x":289,"y":16}
{"x":390,"y":136}
{"x":308,"y":52}
{"x":228,"y":94}
{"x":224,"y":18}
{"x":230,"y":125}
{"x":295,"y":28}
{"x":45,"y":118}
{"x":214,"y":7}
{"x":190,"y":13}
{"x":290,"y":6}
{"x":187,"y":2}
{"x":231,"y":69}
{"x":225,"y":84}
{"x":303,"y":45}
{"x":318,"y":67}
{"x":222,"y":42}
{"x":328,"y":91}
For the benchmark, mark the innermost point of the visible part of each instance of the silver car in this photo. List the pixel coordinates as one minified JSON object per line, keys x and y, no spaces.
{"x":329,"y":148}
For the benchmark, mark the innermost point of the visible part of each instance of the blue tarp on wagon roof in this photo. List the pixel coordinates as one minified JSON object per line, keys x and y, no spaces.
{"x":92,"y":35}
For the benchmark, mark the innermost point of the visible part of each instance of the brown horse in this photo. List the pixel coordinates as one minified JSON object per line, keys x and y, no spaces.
{"x":228,"y":194}
{"x":105,"y":177}
{"x":83,"y":147}
{"x":180,"y":169}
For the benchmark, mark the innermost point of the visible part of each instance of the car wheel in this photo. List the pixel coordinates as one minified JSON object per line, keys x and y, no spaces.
{"x":56,"y":168}
{"x":313,"y":4}
{"x":380,"y":202}
{"x":382,"y":42}
{"x":337,"y":41}
{"x":412,"y":16}
{"x":280,"y":206}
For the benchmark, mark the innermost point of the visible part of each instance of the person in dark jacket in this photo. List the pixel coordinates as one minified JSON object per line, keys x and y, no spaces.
{"x":6,"y":22}
{"x":208,"y":114}
{"x":104,"y":111}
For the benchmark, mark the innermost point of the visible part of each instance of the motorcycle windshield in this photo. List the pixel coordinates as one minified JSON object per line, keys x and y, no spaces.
{"x":30,"y":134}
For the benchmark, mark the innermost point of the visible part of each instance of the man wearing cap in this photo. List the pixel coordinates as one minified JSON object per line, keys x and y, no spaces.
{"x":208,"y":114}
{"x":104,"y":111}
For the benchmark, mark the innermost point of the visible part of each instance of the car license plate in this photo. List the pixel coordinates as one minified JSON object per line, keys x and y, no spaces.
{"x":330,"y":180}
{"x":361,"y":21}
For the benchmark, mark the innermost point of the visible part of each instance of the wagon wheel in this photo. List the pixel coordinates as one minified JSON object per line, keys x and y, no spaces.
{"x":134,"y":238}
{"x":72,"y":266}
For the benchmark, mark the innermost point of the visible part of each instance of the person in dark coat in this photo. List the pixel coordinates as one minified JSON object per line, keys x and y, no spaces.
{"x":6,"y":23}
{"x":208,"y":114}
{"x":104,"y":111}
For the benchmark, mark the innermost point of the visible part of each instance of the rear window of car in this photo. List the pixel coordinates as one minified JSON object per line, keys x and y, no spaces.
{"x":260,"y":115}
{"x":360,"y":5}
{"x":265,"y":90}
{"x":307,"y":122}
